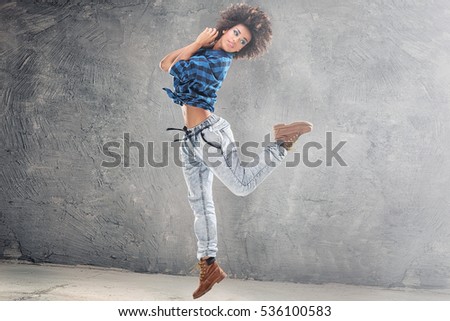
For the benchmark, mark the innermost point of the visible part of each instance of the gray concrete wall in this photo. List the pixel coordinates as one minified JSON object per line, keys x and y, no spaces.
{"x":375,"y":74}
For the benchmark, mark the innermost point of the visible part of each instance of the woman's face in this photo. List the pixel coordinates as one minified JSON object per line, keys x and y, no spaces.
{"x":234,"y":39}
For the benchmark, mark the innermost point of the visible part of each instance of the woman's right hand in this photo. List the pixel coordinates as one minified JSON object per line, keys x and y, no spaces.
{"x":206,"y":37}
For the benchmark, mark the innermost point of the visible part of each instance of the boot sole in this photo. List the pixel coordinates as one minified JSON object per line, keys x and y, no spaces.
{"x":301,"y":123}
{"x":303,"y":127}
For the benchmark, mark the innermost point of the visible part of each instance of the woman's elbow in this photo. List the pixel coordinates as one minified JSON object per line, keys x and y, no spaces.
{"x":163,"y":66}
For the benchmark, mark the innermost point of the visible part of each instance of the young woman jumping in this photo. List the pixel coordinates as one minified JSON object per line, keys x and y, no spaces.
{"x":198,"y":71}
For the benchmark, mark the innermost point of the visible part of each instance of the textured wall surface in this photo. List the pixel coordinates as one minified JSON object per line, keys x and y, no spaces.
{"x":376,"y":74}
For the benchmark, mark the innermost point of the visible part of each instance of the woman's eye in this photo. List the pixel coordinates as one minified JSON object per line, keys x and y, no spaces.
{"x":235,"y":32}
{"x":243,"y":42}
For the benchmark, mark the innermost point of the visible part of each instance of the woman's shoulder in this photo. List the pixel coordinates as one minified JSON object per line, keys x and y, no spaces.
{"x":210,"y":53}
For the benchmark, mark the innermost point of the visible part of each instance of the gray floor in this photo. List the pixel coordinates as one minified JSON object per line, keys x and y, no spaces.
{"x":25,"y":281}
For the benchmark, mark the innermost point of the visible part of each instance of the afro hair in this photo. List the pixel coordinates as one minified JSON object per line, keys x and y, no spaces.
{"x":255,"y":20}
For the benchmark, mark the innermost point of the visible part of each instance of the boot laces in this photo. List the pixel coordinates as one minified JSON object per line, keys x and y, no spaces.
{"x":202,"y":266}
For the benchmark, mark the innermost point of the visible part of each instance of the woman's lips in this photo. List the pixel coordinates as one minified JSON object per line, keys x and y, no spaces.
{"x":230,"y":44}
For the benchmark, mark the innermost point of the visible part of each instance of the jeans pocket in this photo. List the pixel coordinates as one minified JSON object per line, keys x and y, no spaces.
{"x":212,"y":138}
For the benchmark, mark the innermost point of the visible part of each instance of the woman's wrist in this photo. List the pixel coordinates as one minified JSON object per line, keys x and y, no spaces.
{"x":197,"y":44}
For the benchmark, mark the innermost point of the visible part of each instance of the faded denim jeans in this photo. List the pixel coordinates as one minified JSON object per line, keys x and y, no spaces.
{"x":209,"y":150}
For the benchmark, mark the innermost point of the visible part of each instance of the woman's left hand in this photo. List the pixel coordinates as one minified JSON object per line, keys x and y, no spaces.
{"x":206,"y":37}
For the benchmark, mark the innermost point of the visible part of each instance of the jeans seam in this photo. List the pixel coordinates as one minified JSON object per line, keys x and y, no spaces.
{"x":254,"y":176}
{"x":208,"y":239}
{"x":204,"y":211}
{"x":202,"y":190}
{"x":225,"y":158}
{"x":234,"y":173}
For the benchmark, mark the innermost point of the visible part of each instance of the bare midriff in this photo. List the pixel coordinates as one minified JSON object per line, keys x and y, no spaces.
{"x":194,"y":115}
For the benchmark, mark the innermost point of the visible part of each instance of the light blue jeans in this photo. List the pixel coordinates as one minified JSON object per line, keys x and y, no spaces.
{"x":209,"y":150}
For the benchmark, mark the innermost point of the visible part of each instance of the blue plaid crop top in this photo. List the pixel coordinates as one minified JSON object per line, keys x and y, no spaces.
{"x":197,"y":80}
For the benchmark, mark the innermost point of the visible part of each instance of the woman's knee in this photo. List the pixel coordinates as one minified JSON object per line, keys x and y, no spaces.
{"x":241,"y":190}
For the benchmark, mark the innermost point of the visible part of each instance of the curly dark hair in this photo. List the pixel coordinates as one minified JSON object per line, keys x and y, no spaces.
{"x":255,"y":20}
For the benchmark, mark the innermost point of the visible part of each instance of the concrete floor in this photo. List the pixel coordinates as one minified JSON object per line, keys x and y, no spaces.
{"x":25,"y":281}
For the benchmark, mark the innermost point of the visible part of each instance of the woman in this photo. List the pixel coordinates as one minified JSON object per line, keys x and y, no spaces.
{"x":198,"y":70}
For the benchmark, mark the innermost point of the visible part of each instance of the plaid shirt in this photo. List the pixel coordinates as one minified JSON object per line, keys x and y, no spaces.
{"x":197,"y":80}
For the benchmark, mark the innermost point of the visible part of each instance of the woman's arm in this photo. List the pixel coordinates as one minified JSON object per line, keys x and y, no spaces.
{"x":167,"y":61}
{"x":205,"y":38}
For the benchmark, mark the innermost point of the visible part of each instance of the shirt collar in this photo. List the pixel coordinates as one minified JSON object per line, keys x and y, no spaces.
{"x":218,"y":53}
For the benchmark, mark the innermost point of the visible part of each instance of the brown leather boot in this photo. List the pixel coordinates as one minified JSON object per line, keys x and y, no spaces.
{"x":288,"y":134}
{"x":209,"y":275}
